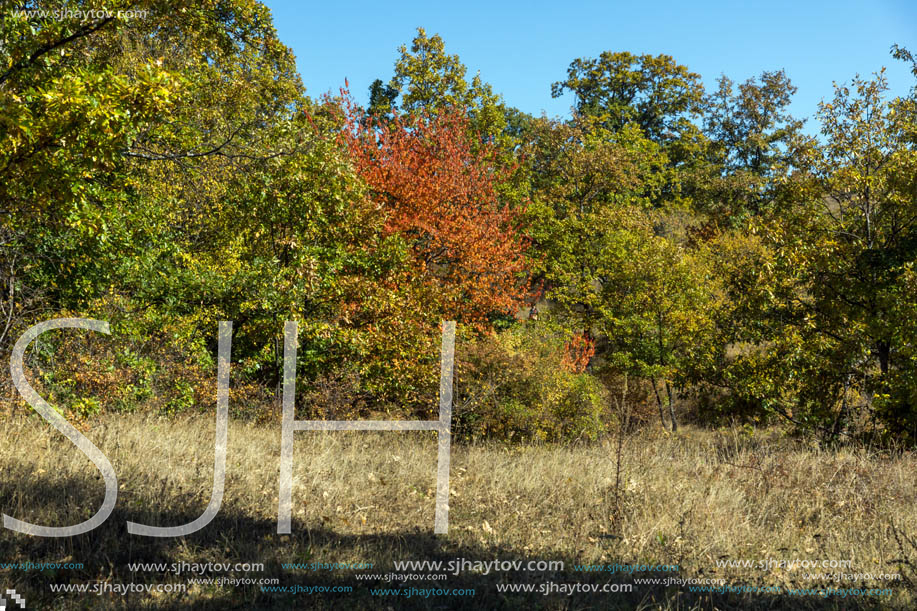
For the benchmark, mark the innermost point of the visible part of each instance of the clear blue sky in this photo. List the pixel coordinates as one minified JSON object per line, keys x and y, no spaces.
{"x":522,"y":47}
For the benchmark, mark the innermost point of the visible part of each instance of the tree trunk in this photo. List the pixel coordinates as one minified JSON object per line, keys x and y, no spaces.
{"x":843,"y":416}
{"x":883,"y":351}
{"x":659,"y":403}
{"x":668,"y":390}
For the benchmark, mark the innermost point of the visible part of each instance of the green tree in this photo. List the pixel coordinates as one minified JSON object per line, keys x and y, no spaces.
{"x":426,"y":77}
{"x":168,"y":172}
{"x":606,"y":270}
{"x":652,"y":91}
{"x":382,"y":99}
{"x":833,"y":287}
{"x":753,"y":142}
{"x":661,"y":98}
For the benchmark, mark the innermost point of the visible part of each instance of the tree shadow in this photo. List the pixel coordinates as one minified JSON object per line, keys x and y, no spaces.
{"x":233,"y":537}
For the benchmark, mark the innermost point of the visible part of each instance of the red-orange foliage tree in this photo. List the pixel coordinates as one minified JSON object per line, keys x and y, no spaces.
{"x":578,"y":352}
{"x":437,"y":183}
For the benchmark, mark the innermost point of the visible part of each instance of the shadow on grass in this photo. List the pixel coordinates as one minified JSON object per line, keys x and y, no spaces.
{"x":236,"y":538}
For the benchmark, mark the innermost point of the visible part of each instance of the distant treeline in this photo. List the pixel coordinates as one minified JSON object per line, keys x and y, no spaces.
{"x":167,"y":172}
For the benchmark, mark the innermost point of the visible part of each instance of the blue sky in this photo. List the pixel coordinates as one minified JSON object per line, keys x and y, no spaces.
{"x":522,"y":47}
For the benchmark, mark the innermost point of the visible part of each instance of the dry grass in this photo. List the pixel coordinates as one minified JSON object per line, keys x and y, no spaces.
{"x":690,"y":499}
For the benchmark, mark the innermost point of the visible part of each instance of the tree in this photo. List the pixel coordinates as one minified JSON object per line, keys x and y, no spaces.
{"x":653,"y":92}
{"x":605,"y":268}
{"x":162,"y":173}
{"x":440,"y":193}
{"x":654,"y":305}
{"x":834,"y":290}
{"x":753,"y":142}
{"x":382,"y":99}
{"x":658,"y":96}
{"x":427,"y":78}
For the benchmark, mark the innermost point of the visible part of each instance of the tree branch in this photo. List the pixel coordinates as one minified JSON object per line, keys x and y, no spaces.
{"x":48,"y":47}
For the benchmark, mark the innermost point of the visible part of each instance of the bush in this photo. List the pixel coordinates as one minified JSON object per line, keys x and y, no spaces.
{"x":515,"y":385}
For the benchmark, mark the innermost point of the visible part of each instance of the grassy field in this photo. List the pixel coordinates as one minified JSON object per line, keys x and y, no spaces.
{"x":692,"y":499}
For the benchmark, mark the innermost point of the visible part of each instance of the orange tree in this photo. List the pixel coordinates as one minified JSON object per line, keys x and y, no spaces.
{"x":439,"y":190}
{"x":436,"y":186}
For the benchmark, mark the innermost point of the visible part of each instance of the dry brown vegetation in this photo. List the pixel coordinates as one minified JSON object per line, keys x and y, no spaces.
{"x":689,"y":499}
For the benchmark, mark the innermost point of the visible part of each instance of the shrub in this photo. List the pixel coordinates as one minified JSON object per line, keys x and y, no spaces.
{"x":515,"y":385}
